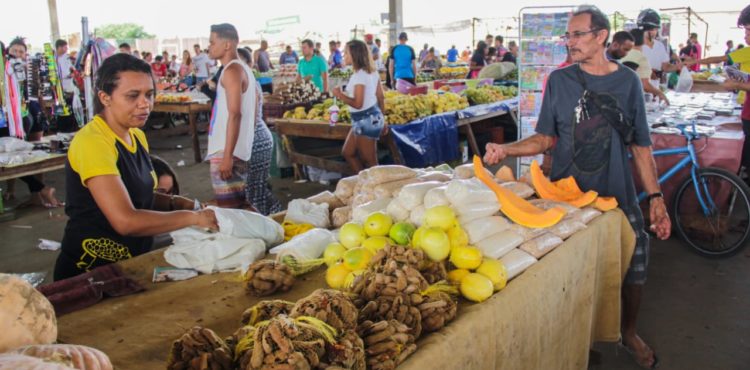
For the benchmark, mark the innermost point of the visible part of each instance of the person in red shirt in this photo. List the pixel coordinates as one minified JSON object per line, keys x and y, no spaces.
{"x":159,"y":68}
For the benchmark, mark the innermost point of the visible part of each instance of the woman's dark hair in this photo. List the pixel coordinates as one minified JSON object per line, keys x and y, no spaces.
{"x":361,"y":57}
{"x":18,"y":41}
{"x":599,"y":20}
{"x":161,"y":168}
{"x":637,"y":34}
{"x":491,"y":51}
{"x":158,"y":58}
{"x":245,"y":56}
{"x":481,"y":46}
{"x":108,"y":75}
{"x":744,"y":18}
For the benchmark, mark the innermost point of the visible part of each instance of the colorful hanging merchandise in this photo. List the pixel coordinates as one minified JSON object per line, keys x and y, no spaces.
{"x":61,"y":107}
{"x":11,"y":99}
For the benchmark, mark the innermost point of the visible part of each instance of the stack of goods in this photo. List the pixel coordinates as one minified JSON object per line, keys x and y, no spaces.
{"x":489,"y":94}
{"x":320,"y":112}
{"x":425,"y":77}
{"x":29,"y":328}
{"x":449,"y":72}
{"x":297,"y":92}
{"x":401,"y":109}
{"x":287,"y":72}
{"x":165,"y":97}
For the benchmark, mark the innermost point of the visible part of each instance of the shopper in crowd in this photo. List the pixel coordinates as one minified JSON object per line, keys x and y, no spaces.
{"x":403,"y":62}
{"x":740,"y":57}
{"x":431,"y":61}
{"x":125,"y":48}
{"x":231,"y":130}
{"x":259,"y":192}
{"x":512,"y":54}
{"x":491,"y":56}
{"x":423,"y":53}
{"x":500,"y":49}
{"x":489,"y":40}
{"x":653,"y":48}
{"x":364,"y":96}
{"x":64,"y":65}
{"x":374,"y":50}
{"x":452,"y":55}
{"x":622,"y":43}
{"x":165,"y":56}
{"x":604,"y":156}
{"x":335,"y":59}
{"x":697,"y":51}
{"x":730,"y":47}
{"x":478,"y":60}
{"x":289,"y":56}
{"x":159,"y":68}
{"x":174,"y":65}
{"x":313,"y":67}
{"x":148,"y":58}
{"x":641,"y":64}
{"x":34,"y":124}
{"x":200,"y":64}
{"x":109,"y":178}
{"x":318,"y":48}
{"x":186,"y":69}
{"x":379,"y":43}
{"x":261,"y":58}
{"x":166,"y":177}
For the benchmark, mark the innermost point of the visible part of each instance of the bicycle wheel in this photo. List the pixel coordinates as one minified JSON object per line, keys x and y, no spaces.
{"x":726,"y":228}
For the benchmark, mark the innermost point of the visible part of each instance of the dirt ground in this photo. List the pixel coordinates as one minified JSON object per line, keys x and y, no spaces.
{"x":694,"y":312}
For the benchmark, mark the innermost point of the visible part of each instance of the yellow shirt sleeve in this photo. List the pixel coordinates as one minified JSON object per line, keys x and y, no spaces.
{"x":92,"y":155}
{"x":740,"y":56}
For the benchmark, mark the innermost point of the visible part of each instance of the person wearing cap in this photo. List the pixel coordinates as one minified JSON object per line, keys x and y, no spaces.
{"x":653,"y":48}
{"x":374,"y":50}
{"x":403,"y":61}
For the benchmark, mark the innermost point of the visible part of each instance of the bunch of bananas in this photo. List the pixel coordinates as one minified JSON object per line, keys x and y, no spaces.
{"x":319,"y":112}
{"x":453,"y":72}
{"x":401,"y":109}
{"x":489,"y":94}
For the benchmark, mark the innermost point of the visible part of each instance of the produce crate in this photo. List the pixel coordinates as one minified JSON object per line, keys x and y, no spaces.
{"x":276,"y":110}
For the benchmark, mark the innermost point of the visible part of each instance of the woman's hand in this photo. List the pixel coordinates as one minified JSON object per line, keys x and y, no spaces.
{"x":225,"y":168}
{"x":206,"y":218}
{"x":337,"y":92}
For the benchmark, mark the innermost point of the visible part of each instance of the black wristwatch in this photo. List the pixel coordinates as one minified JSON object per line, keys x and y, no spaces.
{"x":658,"y":194}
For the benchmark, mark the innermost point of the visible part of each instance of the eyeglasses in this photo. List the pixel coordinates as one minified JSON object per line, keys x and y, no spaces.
{"x":576,"y":35}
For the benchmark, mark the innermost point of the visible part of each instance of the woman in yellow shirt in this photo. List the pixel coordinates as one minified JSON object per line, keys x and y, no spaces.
{"x":110,"y":180}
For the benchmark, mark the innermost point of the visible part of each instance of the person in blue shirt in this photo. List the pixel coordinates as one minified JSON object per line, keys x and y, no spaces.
{"x":289,"y":57}
{"x":403,"y":61}
{"x":336,"y":60}
{"x":452,"y":54}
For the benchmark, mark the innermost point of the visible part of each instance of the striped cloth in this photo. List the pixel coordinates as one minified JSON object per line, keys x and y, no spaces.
{"x":230,"y":193}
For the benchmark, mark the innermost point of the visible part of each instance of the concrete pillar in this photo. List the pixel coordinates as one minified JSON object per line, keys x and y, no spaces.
{"x":396,"y":20}
{"x":54,"y":26}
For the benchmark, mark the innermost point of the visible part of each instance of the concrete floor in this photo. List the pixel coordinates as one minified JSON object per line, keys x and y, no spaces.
{"x":695,"y":312}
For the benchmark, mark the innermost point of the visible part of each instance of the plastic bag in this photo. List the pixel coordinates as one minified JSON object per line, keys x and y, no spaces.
{"x":484,"y":227}
{"x":541,"y":245}
{"x":391,"y":189}
{"x":461,"y":192}
{"x":345,"y":187}
{"x":499,"y":244}
{"x":382,"y":174}
{"x":549,"y":204}
{"x":302,"y":211}
{"x":360,"y":213}
{"x":11,"y":144}
{"x":209,"y":253}
{"x":526,"y":232}
{"x":435,"y":176}
{"x":340,"y":216}
{"x":363,"y":198}
{"x":77,"y":107}
{"x":472,"y":211}
{"x":565,"y":228}
{"x":586,"y":215}
{"x":328,"y":198}
{"x":416,"y":216}
{"x":436,"y":197}
{"x":685,"y":82}
{"x":466,"y":171}
{"x":307,"y":246}
{"x":516,"y":262}
{"x":412,"y":195}
{"x":248,"y":225}
{"x":520,"y":189}
{"x":396,"y":211}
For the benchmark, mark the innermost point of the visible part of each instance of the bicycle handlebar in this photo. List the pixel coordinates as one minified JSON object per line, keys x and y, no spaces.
{"x":691,"y":135}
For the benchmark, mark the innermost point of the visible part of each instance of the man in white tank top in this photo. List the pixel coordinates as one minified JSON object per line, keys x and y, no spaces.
{"x":231,"y":129}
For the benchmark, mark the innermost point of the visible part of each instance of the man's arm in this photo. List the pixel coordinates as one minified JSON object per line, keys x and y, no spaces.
{"x":233,"y":88}
{"x":414,"y":68}
{"x":324,"y":75}
{"x":646,"y":167}
{"x":649,"y":88}
{"x":532,"y":145}
{"x":390,"y":72}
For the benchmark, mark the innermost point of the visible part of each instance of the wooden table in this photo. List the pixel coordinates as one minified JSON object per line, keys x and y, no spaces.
{"x":53,"y":162}
{"x":291,"y":129}
{"x":192,"y":110}
{"x":701,"y":86}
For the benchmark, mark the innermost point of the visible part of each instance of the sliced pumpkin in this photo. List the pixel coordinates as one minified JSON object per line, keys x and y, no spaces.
{"x":605,"y":204}
{"x":505,"y":174}
{"x":547,"y":190}
{"x":516,"y":208}
{"x":584,"y":200}
{"x":568,"y":185}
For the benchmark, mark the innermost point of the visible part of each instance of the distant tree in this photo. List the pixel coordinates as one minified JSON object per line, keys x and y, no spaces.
{"x":123,"y":32}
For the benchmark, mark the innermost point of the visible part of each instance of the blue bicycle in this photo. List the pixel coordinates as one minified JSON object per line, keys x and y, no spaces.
{"x":711,"y":208}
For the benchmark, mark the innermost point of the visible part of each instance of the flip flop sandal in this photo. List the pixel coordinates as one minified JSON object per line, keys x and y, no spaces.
{"x":634,"y":356}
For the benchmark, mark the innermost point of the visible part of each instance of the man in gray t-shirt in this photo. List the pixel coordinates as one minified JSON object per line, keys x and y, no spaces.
{"x":586,"y":145}
{"x":262,"y":59}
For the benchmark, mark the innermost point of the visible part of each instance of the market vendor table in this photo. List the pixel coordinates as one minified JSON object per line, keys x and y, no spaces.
{"x":707,"y":87}
{"x":192,"y":110}
{"x":546,"y":318}
{"x":52,"y":162}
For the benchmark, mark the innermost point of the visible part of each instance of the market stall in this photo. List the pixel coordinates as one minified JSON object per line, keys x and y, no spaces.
{"x":189,"y":105}
{"x":19,"y":158}
{"x":547,"y":318}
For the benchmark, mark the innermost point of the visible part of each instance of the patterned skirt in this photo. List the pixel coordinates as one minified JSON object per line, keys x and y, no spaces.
{"x":258,"y":188}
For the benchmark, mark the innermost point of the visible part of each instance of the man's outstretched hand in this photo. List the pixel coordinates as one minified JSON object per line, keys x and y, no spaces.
{"x":494,"y":154}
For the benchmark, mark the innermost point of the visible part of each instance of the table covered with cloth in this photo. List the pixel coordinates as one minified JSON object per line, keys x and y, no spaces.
{"x":545,"y":318}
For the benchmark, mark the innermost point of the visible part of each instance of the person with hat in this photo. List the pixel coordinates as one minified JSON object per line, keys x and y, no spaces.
{"x":403,"y":61}
{"x":654,"y":49}
{"x":374,"y":50}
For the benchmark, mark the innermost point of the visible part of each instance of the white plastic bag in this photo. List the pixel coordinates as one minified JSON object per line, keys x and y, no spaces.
{"x":520,"y":189}
{"x":541,"y":245}
{"x":359,"y":214}
{"x":461,"y":192}
{"x":412,"y":195}
{"x":484,"y":227}
{"x":302,"y":211}
{"x":435,"y":176}
{"x":417,"y":216}
{"x":328,"y":198}
{"x":345,"y":187}
{"x":381,"y":174}
{"x":499,"y":244}
{"x":363,"y":198}
{"x":307,"y":246}
{"x":436,"y":197}
{"x":391,"y":189}
{"x":340,"y":216}
{"x":685,"y":82}
{"x":208,"y":252}
{"x":248,"y":225}
{"x":516,"y":262}
{"x":396,"y":211}
{"x":472,"y":211}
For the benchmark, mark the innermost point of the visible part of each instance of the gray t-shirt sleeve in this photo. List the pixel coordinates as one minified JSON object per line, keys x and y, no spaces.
{"x":546,"y":125}
{"x":642,"y":136}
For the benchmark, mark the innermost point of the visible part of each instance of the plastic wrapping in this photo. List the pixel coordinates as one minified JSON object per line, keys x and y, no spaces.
{"x":34,"y":278}
{"x":499,"y":244}
{"x":416,"y":216}
{"x":549,"y":204}
{"x":307,"y":246}
{"x":484,"y":227}
{"x":516,"y":262}
{"x":340,"y":216}
{"x":209,"y":253}
{"x":412,"y":195}
{"x":11,"y":144}
{"x":436,"y":197}
{"x":526,"y":232}
{"x":435,"y":176}
{"x":521,"y":189}
{"x":586,"y":215}
{"x":360,"y":213}
{"x":302,"y":211}
{"x":248,"y":225}
{"x":363,"y":198}
{"x":473,"y":211}
{"x":466,"y":171}
{"x":541,"y":245}
{"x":460,"y":192}
{"x":565,"y":228}
{"x":391,"y":189}
{"x":388,"y":173}
{"x":328,"y":198}
{"x":397,"y":212}
{"x":345,"y":187}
